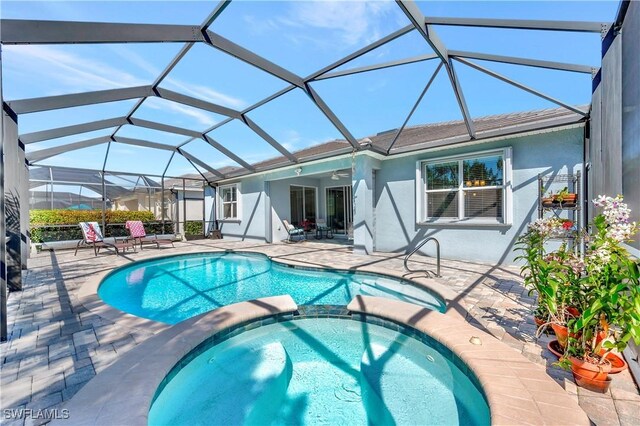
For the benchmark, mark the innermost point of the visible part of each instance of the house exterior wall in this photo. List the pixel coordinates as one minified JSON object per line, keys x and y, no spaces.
{"x":265,"y":199}
{"x":395,"y":197}
{"x":384,"y":193}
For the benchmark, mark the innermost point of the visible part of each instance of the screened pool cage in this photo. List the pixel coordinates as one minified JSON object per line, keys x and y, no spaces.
{"x":241,"y":141}
{"x":179,"y":118}
{"x":173,"y":205}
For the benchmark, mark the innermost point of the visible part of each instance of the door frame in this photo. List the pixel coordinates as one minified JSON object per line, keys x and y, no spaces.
{"x":315,"y":188}
{"x":348,"y":212}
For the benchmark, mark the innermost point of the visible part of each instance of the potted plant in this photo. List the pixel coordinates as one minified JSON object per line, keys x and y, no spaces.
{"x":193,"y":230}
{"x":553,"y":276}
{"x":565,"y":198}
{"x":608,"y":298}
{"x":547,"y":199}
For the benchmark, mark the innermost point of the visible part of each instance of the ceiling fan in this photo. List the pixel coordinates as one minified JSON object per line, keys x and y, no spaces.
{"x":337,"y":175}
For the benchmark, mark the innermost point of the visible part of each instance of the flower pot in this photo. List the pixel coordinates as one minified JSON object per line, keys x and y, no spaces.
{"x":562,"y":333}
{"x":618,"y":363}
{"x":588,"y":370}
{"x":547,"y":202}
{"x":574,"y":312}
{"x":555,"y":348}
{"x":600,"y":386}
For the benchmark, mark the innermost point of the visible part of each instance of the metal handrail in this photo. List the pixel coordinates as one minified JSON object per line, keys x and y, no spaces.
{"x":418,"y":247}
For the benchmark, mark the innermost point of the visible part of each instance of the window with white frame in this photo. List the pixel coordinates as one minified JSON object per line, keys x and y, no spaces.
{"x":472,"y":188}
{"x":229,"y":202}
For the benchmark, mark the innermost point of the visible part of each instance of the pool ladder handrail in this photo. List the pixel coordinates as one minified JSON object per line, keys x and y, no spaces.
{"x":418,"y":247}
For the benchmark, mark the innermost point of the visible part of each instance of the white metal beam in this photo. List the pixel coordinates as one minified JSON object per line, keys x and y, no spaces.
{"x":60,"y":132}
{"x":26,"y":106}
{"x":200,"y":163}
{"x":215,"y":144}
{"x":522,"y":24}
{"x":26,"y":31}
{"x":360,"y":52}
{"x":245,"y":55}
{"x":139,"y":122}
{"x":415,"y":106}
{"x":332,"y":117}
{"x":562,"y":66}
{"x":43,"y":154}
{"x":196,"y":103}
{"x":271,"y":141}
{"x":143,"y":143}
{"x":358,"y":70}
{"x":521,"y":86}
{"x":411,"y":10}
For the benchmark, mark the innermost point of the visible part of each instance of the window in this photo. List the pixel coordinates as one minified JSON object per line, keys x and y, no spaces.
{"x":229,"y":204}
{"x":473,"y":188}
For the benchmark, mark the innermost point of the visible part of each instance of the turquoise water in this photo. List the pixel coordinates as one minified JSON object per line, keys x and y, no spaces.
{"x":175,"y":288}
{"x":320,"y":371}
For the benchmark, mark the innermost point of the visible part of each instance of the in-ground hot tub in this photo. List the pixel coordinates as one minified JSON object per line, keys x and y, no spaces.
{"x":172,"y":289}
{"x":319,"y":371}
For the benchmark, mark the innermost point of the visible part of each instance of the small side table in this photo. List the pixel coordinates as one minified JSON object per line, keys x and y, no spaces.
{"x":328,"y":232}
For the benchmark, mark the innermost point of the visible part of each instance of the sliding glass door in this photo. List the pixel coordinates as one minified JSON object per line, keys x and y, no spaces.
{"x":303,"y":204}
{"x":339,"y":209}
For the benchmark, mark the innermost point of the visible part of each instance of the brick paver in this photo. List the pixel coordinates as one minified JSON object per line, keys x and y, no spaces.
{"x":56,"y":345}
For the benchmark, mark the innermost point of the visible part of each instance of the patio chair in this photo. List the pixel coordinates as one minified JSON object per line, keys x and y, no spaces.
{"x":292,"y":230}
{"x":138,"y":234}
{"x":92,"y":236}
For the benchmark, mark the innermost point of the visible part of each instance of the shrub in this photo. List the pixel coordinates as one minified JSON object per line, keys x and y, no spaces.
{"x":194,"y":227}
{"x":72,"y":217}
{"x":41,"y":232}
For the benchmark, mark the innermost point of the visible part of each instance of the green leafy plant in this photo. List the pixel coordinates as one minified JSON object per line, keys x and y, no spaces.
{"x":193,"y":227}
{"x":60,"y":225}
{"x":553,"y":276}
{"x":610,"y":288}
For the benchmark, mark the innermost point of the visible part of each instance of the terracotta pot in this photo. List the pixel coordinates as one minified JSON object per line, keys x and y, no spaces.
{"x":587,"y":370}
{"x":547,"y":202}
{"x":618,"y":363}
{"x":555,"y":348}
{"x":562,"y":333}
{"x":601,"y":386}
{"x":574,"y":312}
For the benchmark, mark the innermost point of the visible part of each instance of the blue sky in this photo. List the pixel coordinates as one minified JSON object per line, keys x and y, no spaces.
{"x":302,"y":37}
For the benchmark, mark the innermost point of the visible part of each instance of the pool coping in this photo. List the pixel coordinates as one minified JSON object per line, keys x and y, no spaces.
{"x":517,"y":390}
{"x":87,"y":294}
{"x":123,"y":392}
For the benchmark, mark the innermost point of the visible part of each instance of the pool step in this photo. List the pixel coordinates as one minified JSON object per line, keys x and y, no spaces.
{"x":397,"y":389}
{"x":242,"y":385}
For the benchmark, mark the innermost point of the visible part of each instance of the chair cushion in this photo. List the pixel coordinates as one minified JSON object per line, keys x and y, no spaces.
{"x":92,"y":232}
{"x":136,"y":228}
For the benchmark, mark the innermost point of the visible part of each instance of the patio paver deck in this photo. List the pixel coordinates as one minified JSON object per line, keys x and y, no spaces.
{"x":56,"y":345}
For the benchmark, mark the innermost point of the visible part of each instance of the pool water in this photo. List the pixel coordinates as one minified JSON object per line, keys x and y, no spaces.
{"x":319,"y":371}
{"x":175,"y":288}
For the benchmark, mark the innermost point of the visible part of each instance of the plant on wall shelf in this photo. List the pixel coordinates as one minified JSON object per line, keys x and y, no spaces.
{"x":561,"y":198}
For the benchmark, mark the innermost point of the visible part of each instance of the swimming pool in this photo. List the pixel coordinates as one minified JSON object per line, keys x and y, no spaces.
{"x":172,"y":289}
{"x":319,"y":371}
